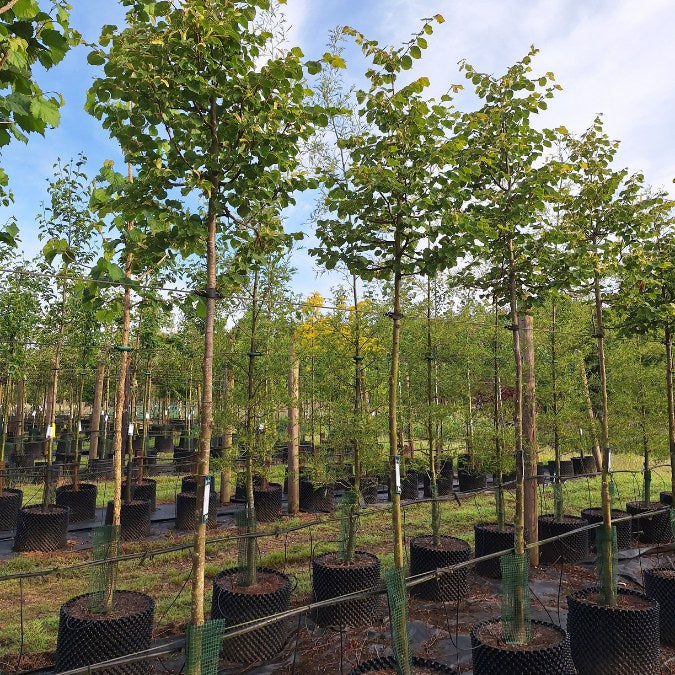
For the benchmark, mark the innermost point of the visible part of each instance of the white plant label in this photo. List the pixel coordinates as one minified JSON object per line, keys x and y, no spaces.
{"x":79,"y":427}
{"x":147,"y":415}
{"x":207,"y":494}
{"x":397,"y":475}
{"x":48,"y":433}
{"x":131,"y":429}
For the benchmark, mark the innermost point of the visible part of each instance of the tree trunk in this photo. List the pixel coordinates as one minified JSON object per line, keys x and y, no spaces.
{"x":497,"y":394}
{"x":293,"y":430}
{"x":597,"y":454}
{"x":228,"y":459}
{"x":199,"y":551}
{"x":671,"y":405}
{"x":5,"y":421}
{"x":435,"y":505}
{"x":96,"y":412}
{"x":525,"y":326}
{"x":606,"y":554}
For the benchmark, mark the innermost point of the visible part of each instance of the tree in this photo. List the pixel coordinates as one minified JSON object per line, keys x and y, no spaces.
{"x":381,"y":210}
{"x":30,"y":36}
{"x":603,"y":211}
{"x":212,"y":121}
{"x":509,"y":184}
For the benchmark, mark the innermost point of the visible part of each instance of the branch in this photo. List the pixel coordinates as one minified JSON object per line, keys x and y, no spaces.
{"x":8,"y":6}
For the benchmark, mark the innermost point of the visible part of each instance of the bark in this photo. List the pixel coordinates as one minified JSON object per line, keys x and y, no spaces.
{"x":525,"y":326}
{"x":433,"y":458}
{"x":5,"y":420}
{"x":393,"y":407}
{"x":607,"y":555}
{"x":199,"y":550}
{"x":293,"y":431}
{"x":497,"y":394}
{"x":597,"y":454}
{"x":671,"y":405}
{"x":226,"y":474}
{"x":20,"y":410}
{"x":96,"y":412}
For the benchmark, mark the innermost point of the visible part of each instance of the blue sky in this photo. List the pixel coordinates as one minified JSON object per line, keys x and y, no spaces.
{"x":611,"y":56}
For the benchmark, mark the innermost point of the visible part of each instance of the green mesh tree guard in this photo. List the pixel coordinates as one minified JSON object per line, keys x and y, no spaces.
{"x":612,"y":490}
{"x":557,"y":501}
{"x":397,"y":595}
{"x":349,"y":525}
{"x":516,"y":620}
{"x":202,"y":647}
{"x":105,"y":542}
{"x":246,"y":524}
{"x":602,"y":538}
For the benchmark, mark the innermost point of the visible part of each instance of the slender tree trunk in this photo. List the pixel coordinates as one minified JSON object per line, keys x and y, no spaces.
{"x":251,"y":578}
{"x":293,"y":429}
{"x":525,"y":326}
{"x":20,"y":412}
{"x":435,"y":505}
{"x":497,"y":394}
{"x":647,"y":475}
{"x":226,"y":474}
{"x":5,"y":422}
{"x":607,"y":553}
{"x":96,"y":412}
{"x":206,"y":428}
{"x":671,"y":405}
{"x":519,"y":519}
{"x":558,"y":506}
{"x":396,"y":316}
{"x":597,"y":454}
{"x":78,"y":429}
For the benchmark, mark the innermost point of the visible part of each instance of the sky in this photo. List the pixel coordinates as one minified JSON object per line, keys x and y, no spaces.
{"x":611,"y":56}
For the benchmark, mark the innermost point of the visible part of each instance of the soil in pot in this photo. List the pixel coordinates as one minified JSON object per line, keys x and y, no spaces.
{"x":40,"y":529}
{"x":624,"y":531}
{"x":488,"y":539}
{"x":546,"y":653}
{"x":385,"y":665}
{"x":572,"y":548}
{"x":425,"y":557}
{"x":81,"y":502}
{"x":654,"y":529}
{"x":331,"y":578}
{"x":186,"y":507}
{"x":134,"y":519}
{"x":85,"y":638}
{"x":267,"y":502}
{"x":660,"y":586}
{"x":238,"y":604}
{"x":10,"y":503}
{"x":618,"y":640}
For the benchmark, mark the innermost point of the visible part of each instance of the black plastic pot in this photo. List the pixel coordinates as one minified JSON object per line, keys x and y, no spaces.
{"x":470,"y":481}
{"x":446,"y":469}
{"x":369,"y":489}
{"x":147,"y":490}
{"x":164,"y":443}
{"x":506,"y":659}
{"x":570,"y":549}
{"x":613,"y":640}
{"x":134,"y":519}
{"x":425,"y":557}
{"x":85,"y":638}
{"x":624,"y":531}
{"x":654,"y":529}
{"x":660,"y":586}
{"x":488,"y":539}
{"x":330,"y":579}
{"x":566,"y":468}
{"x":316,"y":498}
{"x":387,"y":664}
{"x":10,"y":503}
{"x":543,"y":474}
{"x":666,"y":498}
{"x":39,"y":529}
{"x":584,"y":465}
{"x":81,"y":502}
{"x":188,"y":484}
{"x":443,"y":484}
{"x":236,"y":605}
{"x":410,"y":485}
{"x":186,"y":510}
{"x":268,"y":503}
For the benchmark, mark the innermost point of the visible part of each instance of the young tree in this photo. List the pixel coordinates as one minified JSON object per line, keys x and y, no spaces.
{"x":509,"y":183}
{"x":215,"y":122}
{"x":603,"y":211}
{"x":381,"y":211}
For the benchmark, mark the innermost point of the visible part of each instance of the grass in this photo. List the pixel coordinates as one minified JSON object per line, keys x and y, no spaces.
{"x":166,"y":577}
